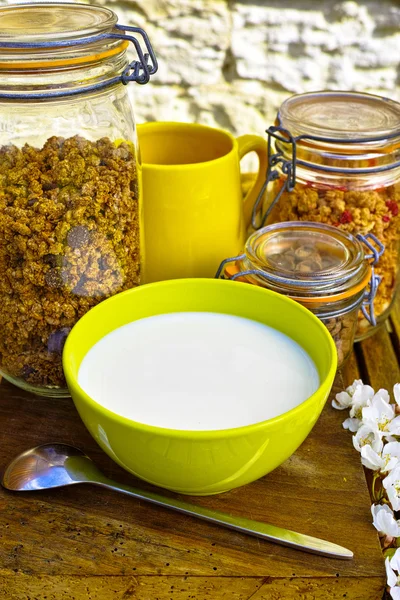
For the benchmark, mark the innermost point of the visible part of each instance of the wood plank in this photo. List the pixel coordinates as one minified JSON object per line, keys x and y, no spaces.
{"x":309,"y":589}
{"x":128,"y":587}
{"x":186,"y":588}
{"x":81,"y":532}
{"x":395,"y":327}
{"x":349,"y":372}
{"x":380,"y":362}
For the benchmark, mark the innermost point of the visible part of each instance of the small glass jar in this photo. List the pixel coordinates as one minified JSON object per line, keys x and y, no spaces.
{"x":321,"y":267}
{"x":335,"y":159}
{"x":70,"y":208}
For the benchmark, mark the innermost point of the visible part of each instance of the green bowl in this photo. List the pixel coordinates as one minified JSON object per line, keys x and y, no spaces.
{"x":201,"y":462}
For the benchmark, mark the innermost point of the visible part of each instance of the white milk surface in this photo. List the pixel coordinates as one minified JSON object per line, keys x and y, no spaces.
{"x":197,"y":371}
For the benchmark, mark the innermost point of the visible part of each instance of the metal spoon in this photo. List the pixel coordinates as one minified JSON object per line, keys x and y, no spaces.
{"x":56,"y":465}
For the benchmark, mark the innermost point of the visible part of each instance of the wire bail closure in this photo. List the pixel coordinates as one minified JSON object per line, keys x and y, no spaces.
{"x":288,"y":166}
{"x":376,"y":250}
{"x":139,"y":70}
{"x":369,"y":297}
{"x":374,"y":256}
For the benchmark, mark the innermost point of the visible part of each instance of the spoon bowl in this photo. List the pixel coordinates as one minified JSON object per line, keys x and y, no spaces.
{"x":57,"y":465}
{"x":44,"y":467}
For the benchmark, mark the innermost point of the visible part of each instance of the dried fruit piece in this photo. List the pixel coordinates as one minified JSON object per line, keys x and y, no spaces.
{"x":57,"y":339}
{"x":53,"y":278}
{"x":78,"y":236}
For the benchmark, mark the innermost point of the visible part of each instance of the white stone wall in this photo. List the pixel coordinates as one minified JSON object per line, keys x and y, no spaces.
{"x":230,"y":63}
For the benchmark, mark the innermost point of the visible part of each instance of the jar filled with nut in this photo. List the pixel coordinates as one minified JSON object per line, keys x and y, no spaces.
{"x":322,"y":267}
{"x":70,"y":209}
{"x":334,"y":158}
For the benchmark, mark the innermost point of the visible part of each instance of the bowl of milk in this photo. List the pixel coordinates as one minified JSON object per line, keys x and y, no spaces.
{"x":199,"y":385}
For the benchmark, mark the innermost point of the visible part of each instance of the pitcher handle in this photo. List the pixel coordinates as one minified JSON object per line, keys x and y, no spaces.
{"x":253,"y":143}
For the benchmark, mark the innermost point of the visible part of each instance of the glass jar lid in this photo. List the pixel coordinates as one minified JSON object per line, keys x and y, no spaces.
{"x":340,"y":115}
{"x":57,"y":49}
{"x":62,"y":20}
{"x":307,"y":260}
{"x":340,"y":133}
{"x":67,"y":32}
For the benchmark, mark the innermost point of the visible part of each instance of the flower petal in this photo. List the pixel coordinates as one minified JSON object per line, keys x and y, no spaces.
{"x":384,"y":521}
{"x":395,"y":560}
{"x":351,"y":424}
{"x":383,"y":394}
{"x":391,"y":483}
{"x":363,"y":394}
{"x":395,"y":592}
{"x":392,"y":448}
{"x":393,"y":427}
{"x":378,"y":411}
{"x":342,"y":401}
{"x":396,"y":393}
{"x":371,"y":459}
{"x":352,"y":388}
{"x":390,"y":574}
{"x":368,"y":434}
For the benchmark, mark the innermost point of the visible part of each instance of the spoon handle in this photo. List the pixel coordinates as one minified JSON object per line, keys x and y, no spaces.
{"x":258,"y":529}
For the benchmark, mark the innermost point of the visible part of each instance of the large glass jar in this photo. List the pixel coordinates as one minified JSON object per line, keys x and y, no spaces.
{"x":329,"y":271}
{"x":70,"y":213}
{"x":335,"y":159}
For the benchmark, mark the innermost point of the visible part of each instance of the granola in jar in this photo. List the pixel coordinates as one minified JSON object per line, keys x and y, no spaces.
{"x":71,"y":219}
{"x":321,"y":267}
{"x":69,"y":238}
{"x":343,"y":154}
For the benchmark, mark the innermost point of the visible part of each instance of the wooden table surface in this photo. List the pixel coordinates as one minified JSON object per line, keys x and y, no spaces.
{"x":83,"y":543}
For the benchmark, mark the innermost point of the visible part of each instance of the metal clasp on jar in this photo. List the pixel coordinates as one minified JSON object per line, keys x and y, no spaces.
{"x":376,"y":252}
{"x":288,"y":166}
{"x":235,"y":276}
{"x":139,"y":70}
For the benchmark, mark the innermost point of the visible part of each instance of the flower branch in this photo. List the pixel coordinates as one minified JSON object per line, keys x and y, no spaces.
{"x":375,"y":422}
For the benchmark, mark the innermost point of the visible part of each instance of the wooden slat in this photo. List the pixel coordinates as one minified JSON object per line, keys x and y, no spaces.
{"x":395,"y":326}
{"x":350,"y":371}
{"x":186,"y":588}
{"x":380,"y":361}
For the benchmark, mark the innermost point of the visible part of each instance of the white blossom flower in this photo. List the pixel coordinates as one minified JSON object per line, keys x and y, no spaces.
{"x":384,"y":521}
{"x":383,"y":461}
{"x":391,"y":456}
{"x":355,"y":397}
{"x":344,"y":400}
{"x":362,"y":396}
{"x":379,"y":413}
{"x":393,"y":579}
{"x":370,"y":435}
{"x":392,"y":486}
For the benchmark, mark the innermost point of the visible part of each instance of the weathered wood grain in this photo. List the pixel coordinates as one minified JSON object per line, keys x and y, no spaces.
{"x":187,"y":588}
{"x":380,"y":361}
{"x":84,"y":543}
{"x":128,"y":588}
{"x":395,"y":328}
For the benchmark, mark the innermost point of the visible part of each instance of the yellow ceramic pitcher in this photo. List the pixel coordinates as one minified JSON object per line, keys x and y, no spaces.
{"x":194,"y":212}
